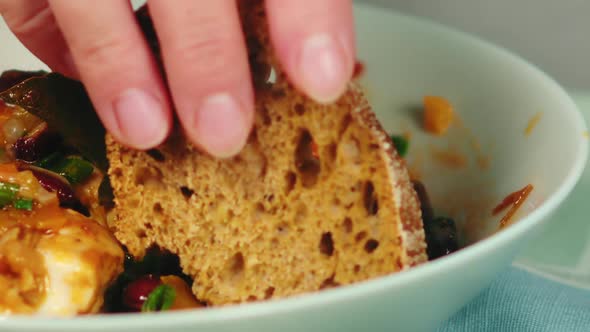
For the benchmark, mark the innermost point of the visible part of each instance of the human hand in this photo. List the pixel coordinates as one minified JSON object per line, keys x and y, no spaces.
{"x":204,"y":56}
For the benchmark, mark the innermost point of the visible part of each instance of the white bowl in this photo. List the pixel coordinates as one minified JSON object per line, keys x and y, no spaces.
{"x":496,"y":95}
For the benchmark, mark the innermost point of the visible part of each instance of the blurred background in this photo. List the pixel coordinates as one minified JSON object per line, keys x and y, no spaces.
{"x":553,"y":35}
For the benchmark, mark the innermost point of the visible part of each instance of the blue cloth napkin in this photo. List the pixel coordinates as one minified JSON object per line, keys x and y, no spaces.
{"x":521,"y":301}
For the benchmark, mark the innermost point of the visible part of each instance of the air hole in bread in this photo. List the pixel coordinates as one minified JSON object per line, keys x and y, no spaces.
{"x":117,"y":172}
{"x":149,"y":226}
{"x":274,"y":243}
{"x":370,"y":199}
{"x":329,"y":283}
{"x":301,"y":213}
{"x":156,"y":154}
{"x":265,"y":117}
{"x":306,"y":159}
{"x":252,"y":298}
{"x":346,"y":121}
{"x":350,"y":148}
{"x":371,"y":245}
{"x":360,"y":236}
{"x":357,"y":268}
{"x":186,"y":192}
{"x":332,"y":153}
{"x":268,"y":293}
{"x":347,"y":225}
{"x":299,"y":109}
{"x":327,"y":244}
{"x":141,"y":234}
{"x":278,"y":93}
{"x":290,"y":180}
{"x":147,"y":177}
{"x":283,"y":229}
{"x":235,"y":267}
{"x":158,"y":208}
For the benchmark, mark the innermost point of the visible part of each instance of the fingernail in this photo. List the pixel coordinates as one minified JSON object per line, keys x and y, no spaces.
{"x":324,"y":67}
{"x":141,"y":119}
{"x":220,"y":126}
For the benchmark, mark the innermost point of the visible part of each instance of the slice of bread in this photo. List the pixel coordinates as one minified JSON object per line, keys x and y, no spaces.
{"x":317,"y":198}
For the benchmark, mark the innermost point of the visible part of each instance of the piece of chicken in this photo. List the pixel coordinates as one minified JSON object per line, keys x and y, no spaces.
{"x":54,"y":262}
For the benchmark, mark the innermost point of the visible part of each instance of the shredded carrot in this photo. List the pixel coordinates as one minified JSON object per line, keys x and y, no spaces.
{"x":438,"y":115}
{"x":514,"y":201}
{"x":532,"y":123}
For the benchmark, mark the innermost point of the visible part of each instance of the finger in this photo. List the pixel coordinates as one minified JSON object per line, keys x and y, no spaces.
{"x":117,"y":69}
{"x":314,"y":41}
{"x":34,"y":25}
{"x":207,"y":67}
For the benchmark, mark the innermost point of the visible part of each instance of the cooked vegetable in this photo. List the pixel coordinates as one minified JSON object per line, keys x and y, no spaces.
{"x":441,"y":237}
{"x":438,"y":115}
{"x":401,"y":144}
{"x":39,"y":143}
{"x":53,"y":182}
{"x":74,"y":169}
{"x":123,"y":296}
{"x":137,"y":292}
{"x":65,"y":106}
{"x":24,"y":204}
{"x":11,"y":78}
{"x":160,"y":299}
{"x":8,"y":192}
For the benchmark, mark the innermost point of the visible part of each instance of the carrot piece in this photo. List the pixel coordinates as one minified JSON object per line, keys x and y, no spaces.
{"x":438,"y":115}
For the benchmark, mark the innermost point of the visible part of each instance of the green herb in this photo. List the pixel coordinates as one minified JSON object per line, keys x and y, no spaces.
{"x":8,"y":192}
{"x":74,"y":169}
{"x":401,"y":144}
{"x":49,"y":161}
{"x":24,"y":204}
{"x":160,"y":299}
{"x":65,"y":106}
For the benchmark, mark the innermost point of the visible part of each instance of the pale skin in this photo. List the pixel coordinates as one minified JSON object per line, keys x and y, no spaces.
{"x":204,"y":57}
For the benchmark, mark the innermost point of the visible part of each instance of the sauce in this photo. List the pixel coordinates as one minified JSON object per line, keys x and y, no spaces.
{"x":532,"y":123}
{"x":514,"y":201}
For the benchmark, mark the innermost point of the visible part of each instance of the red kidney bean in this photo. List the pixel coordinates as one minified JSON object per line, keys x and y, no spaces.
{"x":138,"y":290}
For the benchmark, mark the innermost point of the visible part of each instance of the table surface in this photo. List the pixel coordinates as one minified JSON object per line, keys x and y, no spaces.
{"x":562,"y":251}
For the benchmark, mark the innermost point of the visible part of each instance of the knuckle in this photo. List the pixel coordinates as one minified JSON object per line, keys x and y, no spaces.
{"x":25,"y":21}
{"x":108,"y":50}
{"x":208,"y":54}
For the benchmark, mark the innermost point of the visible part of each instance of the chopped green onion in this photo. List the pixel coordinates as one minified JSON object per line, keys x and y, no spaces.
{"x":50,"y":160}
{"x":75,"y":169}
{"x":401,"y":144}
{"x":160,"y":299}
{"x":24,"y":204}
{"x":8,"y":192}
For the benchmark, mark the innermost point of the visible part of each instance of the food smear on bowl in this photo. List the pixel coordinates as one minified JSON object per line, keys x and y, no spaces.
{"x":532,"y":123}
{"x":513,"y":201}
{"x":449,"y":158}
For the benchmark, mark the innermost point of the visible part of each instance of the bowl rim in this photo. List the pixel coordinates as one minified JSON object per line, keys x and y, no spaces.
{"x":360,"y":289}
